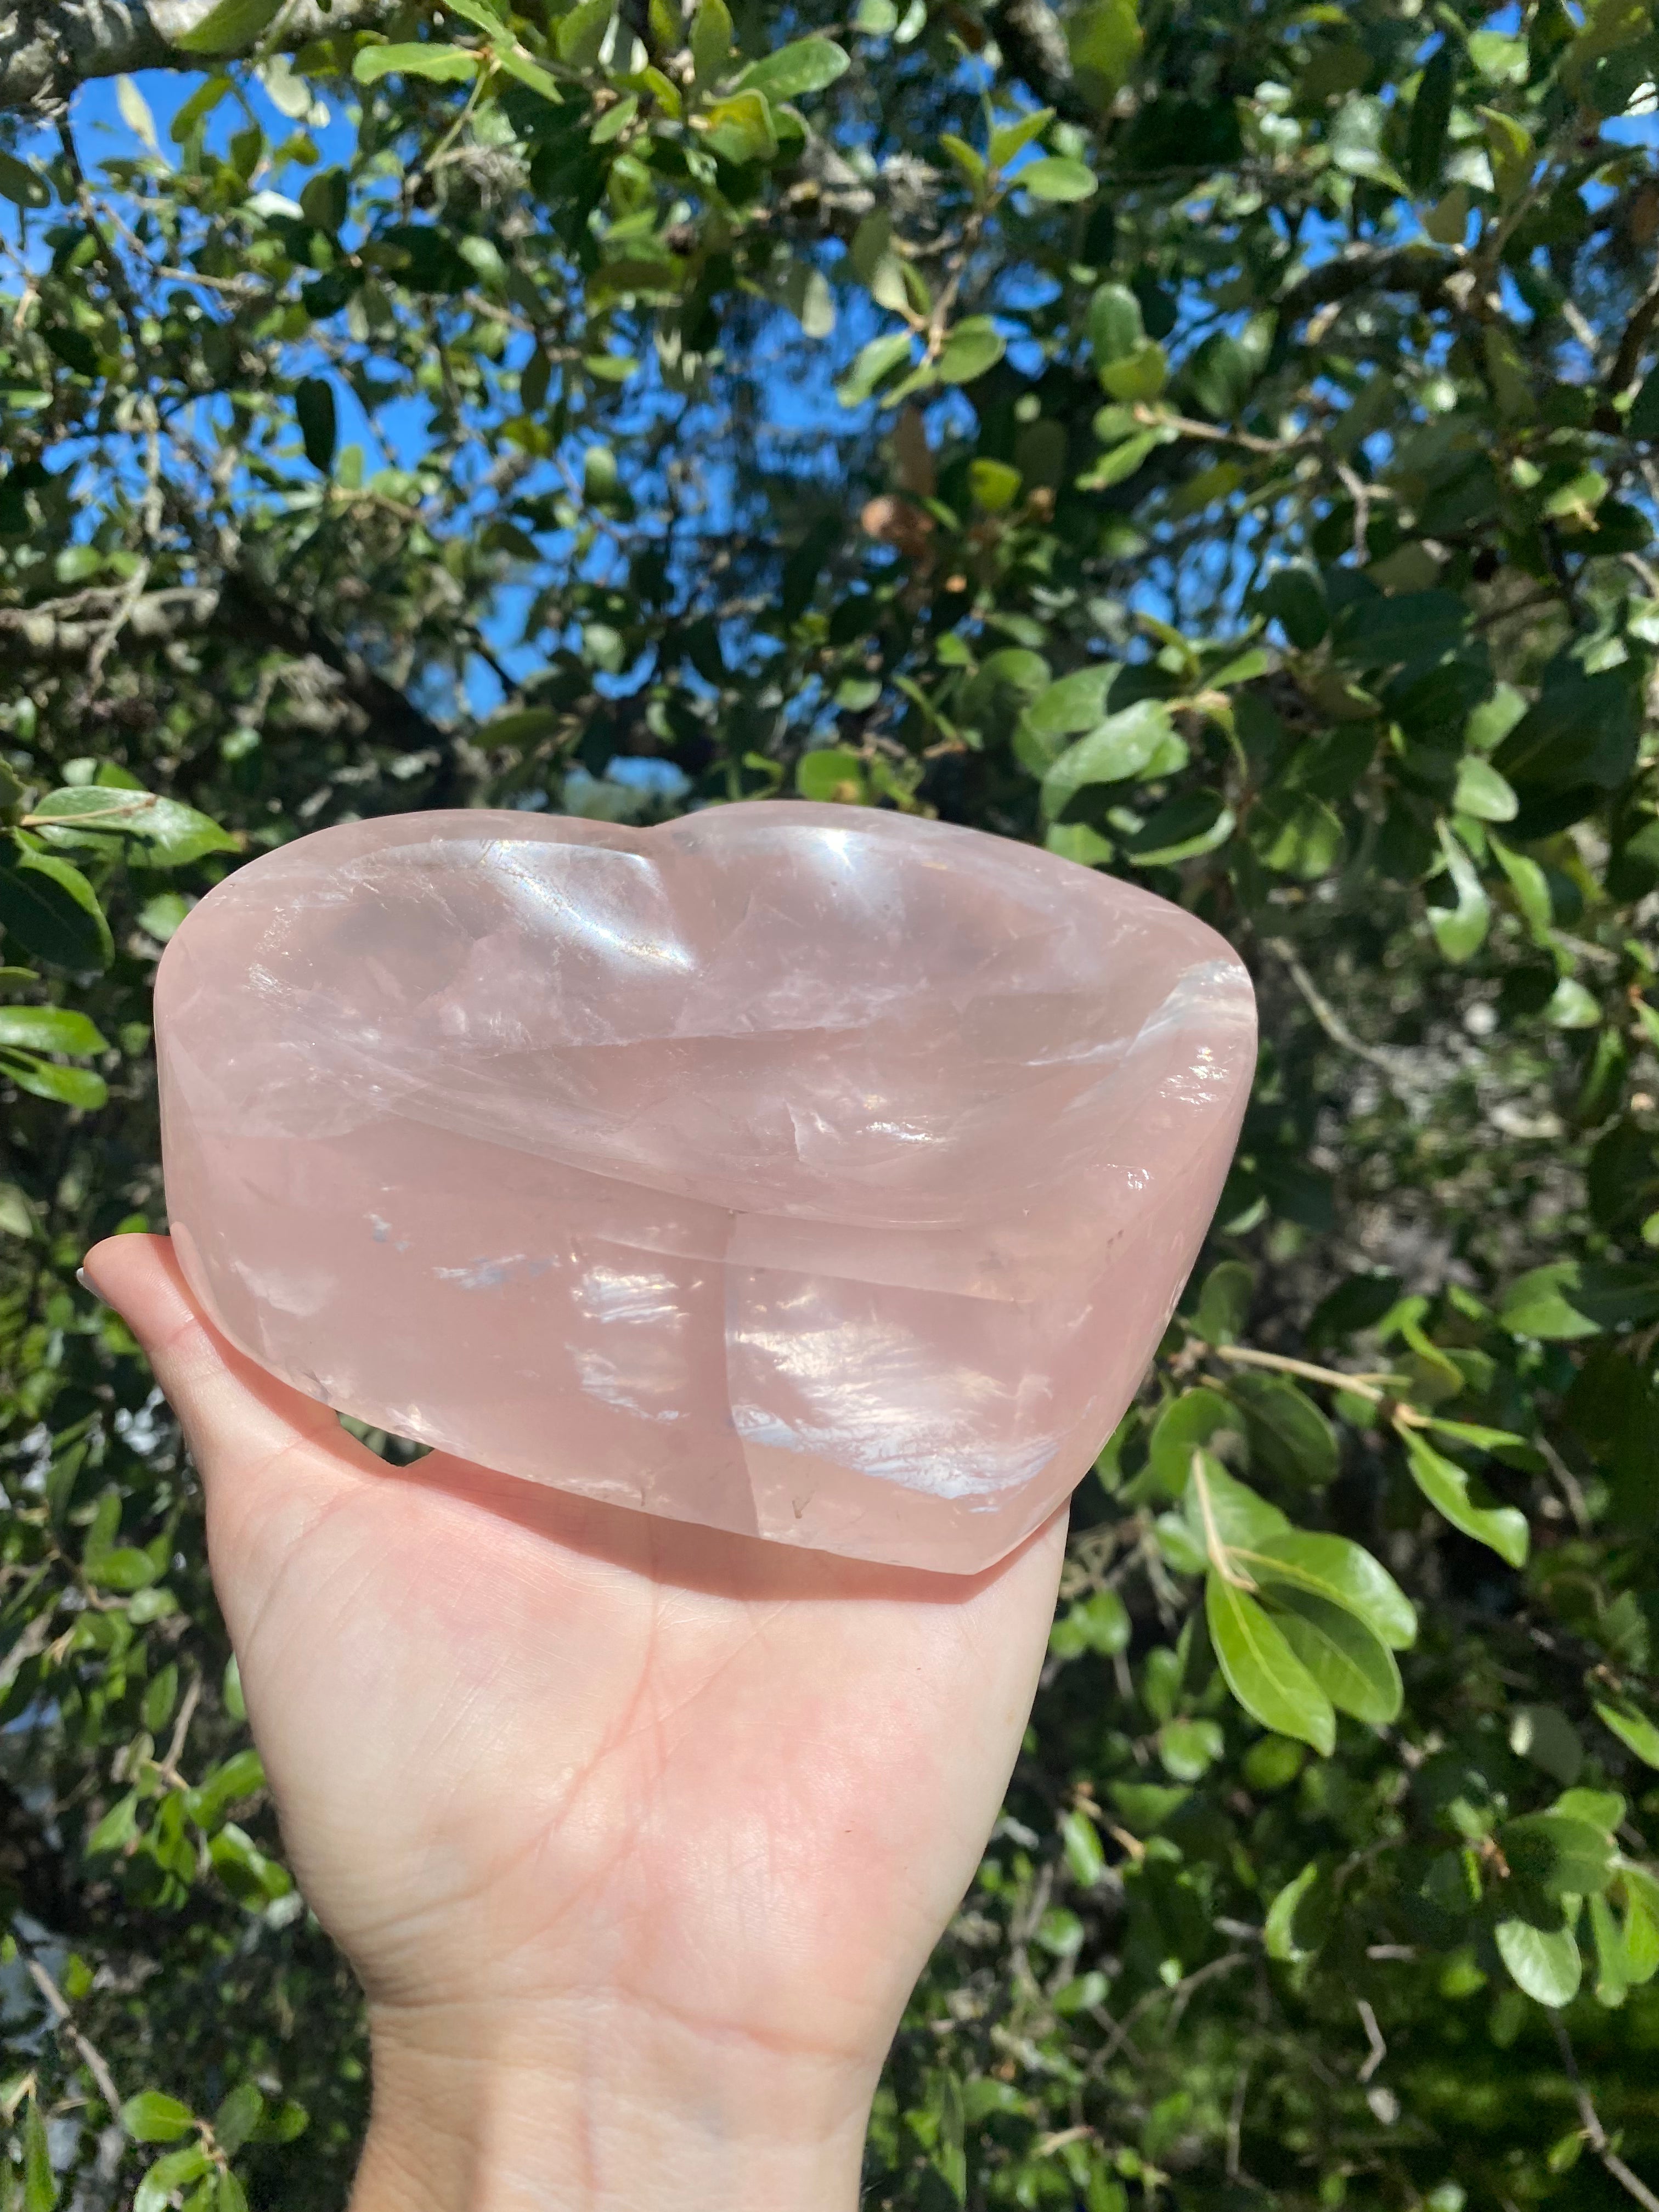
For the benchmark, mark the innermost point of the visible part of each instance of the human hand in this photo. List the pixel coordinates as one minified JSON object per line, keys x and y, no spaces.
{"x":638,"y":1834}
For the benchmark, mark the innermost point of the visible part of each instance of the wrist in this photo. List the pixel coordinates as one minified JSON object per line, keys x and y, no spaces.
{"x":587,"y":2111}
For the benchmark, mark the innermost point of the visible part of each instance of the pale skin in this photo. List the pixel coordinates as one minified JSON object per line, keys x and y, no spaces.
{"x":637,"y":1834}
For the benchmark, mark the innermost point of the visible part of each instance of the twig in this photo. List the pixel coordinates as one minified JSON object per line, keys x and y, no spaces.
{"x":1379,"y":2050}
{"x":1360,"y":493}
{"x":1181,"y":1992}
{"x":32,"y":1641}
{"x":1236,"y":2121}
{"x":1331,"y":1023}
{"x":151,"y":513}
{"x":182,"y":1726}
{"x":1374,"y":1387}
{"x":1213,"y":433}
{"x":91,"y":2056}
{"x":1595,"y":2134}
{"x":1628,"y":359}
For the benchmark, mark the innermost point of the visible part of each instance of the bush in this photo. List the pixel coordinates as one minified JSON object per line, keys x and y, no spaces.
{"x":1217,"y":445}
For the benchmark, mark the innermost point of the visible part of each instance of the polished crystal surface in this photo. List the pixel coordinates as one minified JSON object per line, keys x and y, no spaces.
{"x":814,"y":1172}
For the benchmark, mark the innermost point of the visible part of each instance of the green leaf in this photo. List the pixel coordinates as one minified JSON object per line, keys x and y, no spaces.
{"x":1568,"y":1299}
{"x":1195,"y":1419}
{"x":1261,"y":1670}
{"x":1072,"y":702}
{"x":1140,"y":375}
{"x":1122,"y":746}
{"x":1057,"y":178}
{"x":313,"y":405}
{"x":52,"y":911}
{"x":711,"y":39}
{"x":1220,"y":1511}
{"x":1544,"y":1961}
{"x":22,"y":184}
{"x":1223,"y":1303}
{"x":1008,"y":139}
{"x":1340,"y":1572}
{"x":1080,"y":1840}
{"x":1448,"y":1489}
{"x":1530,"y":886}
{"x":875,"y":362}
{"x":443,"y":64}
{"x":806,"y":65}
{"x":1075,"y":841}
{"x":1461,"y":930}
{"x":1300,"y":1917}
{"x":1571,"y":1006}
{"x":1544,"y":1734}
{"x":151,"y":2117}
{"x":1483,"y":792}
{"x":239,"y":1776}
{"x":91,"y":815}
{"x":975,"y":345}
{"x":1189,"y":1748}
{"x":832,"y":773}
{"x":1193,"y":823}
{"x":49,"y":1029}
{"x":971,"y":164}
{"x":123,"y":1569}
{"x":1431,"y":115}
{"x":1105,"y":37}
{"x":40,"y":2182}
{"x":578,"y":36}
{"x":1352,"y":1666}
{"x":1509,"y":147}
{"x":1632,"y":1728}
{"x":170,"y":2173}
{"x":228,"y":28}
{"x":1289,"y":1436}
{"x":1116,"y":329}
{"x":1641,"y":1890}
{"x":117,"y":1829}
{"x":531,"y":74}
{"x":993,"y":484}
{"x":237,"y":2116}
{"x":1295,"y":834}
{"x":65,"y":1086}
{"x":1558,"y":1855}
{"x":740,"y":129}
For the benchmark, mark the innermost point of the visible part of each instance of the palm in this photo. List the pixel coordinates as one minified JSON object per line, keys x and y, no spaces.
{"x":531,"y":1748}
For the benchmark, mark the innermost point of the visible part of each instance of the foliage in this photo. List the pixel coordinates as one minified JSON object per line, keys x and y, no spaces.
{"x":1216,"y":444}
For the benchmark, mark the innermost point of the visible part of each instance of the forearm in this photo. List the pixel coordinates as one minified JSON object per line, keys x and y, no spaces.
{"x":562,"y":2120}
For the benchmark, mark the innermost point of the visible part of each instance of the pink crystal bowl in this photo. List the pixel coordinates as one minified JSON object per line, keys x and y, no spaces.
{"x":815,"y":1173}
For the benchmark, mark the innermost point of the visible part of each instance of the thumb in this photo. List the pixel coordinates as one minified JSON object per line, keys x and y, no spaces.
{"x":271,"y":1461}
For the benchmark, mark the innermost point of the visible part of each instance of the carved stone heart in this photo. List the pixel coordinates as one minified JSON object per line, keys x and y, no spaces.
{"x":818,"y":1173}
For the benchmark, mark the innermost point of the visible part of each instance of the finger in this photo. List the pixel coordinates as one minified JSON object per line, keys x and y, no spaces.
{"x":241,"y":1424}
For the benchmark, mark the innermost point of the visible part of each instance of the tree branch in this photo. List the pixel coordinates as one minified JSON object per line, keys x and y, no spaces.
{"x":1595,"y":2134}
{"x":46,"y":51}
{"x":1413,"y":268}
{"x":1034,"y":46}
{"x":1628,"y":359}
{"x":88,"y":2051}
{"x":67,"y":630}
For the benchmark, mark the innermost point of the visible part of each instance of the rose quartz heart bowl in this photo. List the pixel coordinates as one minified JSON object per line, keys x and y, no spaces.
{"x":815,"y":1173}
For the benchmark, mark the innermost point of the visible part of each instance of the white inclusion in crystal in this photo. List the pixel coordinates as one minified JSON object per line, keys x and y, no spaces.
{"x":578,"y":920}
{"x":879,"y":1404}
{"x":301,"y":1295}
{"x":493,"y":1274}
{"x":381,"y":1230}
{"x":642,"y":1368}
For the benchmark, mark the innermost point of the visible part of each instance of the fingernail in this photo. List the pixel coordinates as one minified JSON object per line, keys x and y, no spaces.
{"x":91,"y":1288}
